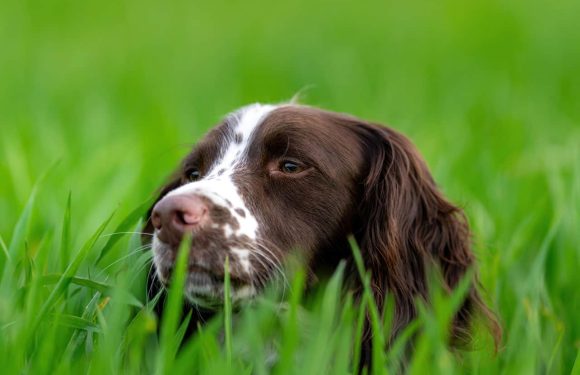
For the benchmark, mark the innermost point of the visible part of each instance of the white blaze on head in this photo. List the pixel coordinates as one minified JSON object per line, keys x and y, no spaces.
{"x":218,"y":184}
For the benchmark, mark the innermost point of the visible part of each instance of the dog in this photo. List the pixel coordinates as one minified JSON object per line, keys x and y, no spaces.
{"x":275,"y":181}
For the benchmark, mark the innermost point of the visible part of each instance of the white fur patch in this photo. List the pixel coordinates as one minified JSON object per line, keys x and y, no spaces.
{"x":245,"y":292}
{"x":218,"y":184}
{"x":244,"y":258}
{"x":159,"y":248}
{"x":219,"y":187}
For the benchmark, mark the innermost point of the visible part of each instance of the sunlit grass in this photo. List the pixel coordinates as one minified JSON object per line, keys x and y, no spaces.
{"x":100,"y":99}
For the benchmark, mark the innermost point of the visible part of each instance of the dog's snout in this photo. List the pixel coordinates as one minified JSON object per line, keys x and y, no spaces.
{"x":176,"y":215}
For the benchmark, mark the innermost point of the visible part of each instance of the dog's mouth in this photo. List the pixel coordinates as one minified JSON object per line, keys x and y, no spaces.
{"x":207,"y":289}
{"x":205,"y":279}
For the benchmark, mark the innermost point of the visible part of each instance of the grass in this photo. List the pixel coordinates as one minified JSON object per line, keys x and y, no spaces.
{"x":100,"y":99}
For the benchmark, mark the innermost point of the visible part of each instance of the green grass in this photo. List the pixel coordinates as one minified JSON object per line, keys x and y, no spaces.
{"x":100,"y":99}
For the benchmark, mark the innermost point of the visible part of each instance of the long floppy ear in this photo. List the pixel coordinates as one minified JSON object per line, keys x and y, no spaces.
{"x":406,"y":226}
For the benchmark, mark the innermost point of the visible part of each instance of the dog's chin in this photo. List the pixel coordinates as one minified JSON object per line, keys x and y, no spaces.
{"x":204,"y":290}
{"x":203,"y":287}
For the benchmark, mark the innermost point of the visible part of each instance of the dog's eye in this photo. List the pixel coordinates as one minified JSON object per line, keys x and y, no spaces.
{"x":193,"y":174}
{"x":290,"y":167}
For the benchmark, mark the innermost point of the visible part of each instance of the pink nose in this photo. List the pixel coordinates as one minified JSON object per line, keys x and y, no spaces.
{"x":176,"y":215}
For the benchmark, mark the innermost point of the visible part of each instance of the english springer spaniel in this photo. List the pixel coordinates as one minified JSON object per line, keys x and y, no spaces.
{"x":271,"y":181}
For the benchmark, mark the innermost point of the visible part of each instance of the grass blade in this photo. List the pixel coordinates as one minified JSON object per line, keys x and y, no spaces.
{"x":131,"y":219}
{"x":4,"y":248}
{"x":65,"y":235}
{"x":173,"y":310}
{"x":103,"y":288}
{"x":76,"y":322}
{"x":18,"y":234}
{"x":378,"y":340}
{"x":66,"y":277}
{"x":228,"y":313}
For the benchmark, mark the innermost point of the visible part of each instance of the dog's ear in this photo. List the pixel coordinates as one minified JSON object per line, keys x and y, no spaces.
{"x":405,"y":227}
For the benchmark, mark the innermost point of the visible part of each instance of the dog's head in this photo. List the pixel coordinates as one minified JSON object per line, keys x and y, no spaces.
{"x":272,"y":182}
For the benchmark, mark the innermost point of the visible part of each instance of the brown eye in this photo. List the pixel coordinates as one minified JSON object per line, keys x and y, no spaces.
{"x":193,"y":174}
{"x":290,"y":167}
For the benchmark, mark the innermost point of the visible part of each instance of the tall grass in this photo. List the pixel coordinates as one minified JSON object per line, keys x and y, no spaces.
{"x":100,"y":99}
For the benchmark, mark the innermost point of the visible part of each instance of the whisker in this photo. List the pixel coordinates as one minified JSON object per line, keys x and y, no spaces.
{"x":267,"y":259}
{"x":138,"y":250}
{"x":273,"y":257}
{"x":154,"y":280}
{"x":265,"y":264}
{"x":121,"y":233}
{"x":263,"y":253}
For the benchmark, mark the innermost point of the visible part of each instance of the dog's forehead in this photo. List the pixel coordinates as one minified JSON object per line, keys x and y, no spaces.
{"x":241,"y":127}
{"x":217,"y":184}
{"x":244,"y":122}
{"x":225,"y":146}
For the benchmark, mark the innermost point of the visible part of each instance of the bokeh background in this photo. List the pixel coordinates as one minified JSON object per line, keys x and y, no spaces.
{"x":104,"y":97}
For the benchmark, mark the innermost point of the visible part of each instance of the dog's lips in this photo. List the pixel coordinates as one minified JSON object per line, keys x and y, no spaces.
{"x":199,"y":274}
{"x":206,"y":289}
{"x":204,"y":280}
{"x":202,"y":276}
{"x":196,"y":268}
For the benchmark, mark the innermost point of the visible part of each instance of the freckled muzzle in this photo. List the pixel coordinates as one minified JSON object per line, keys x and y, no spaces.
{"x":216,"y":236}
{"x":214,"y":210}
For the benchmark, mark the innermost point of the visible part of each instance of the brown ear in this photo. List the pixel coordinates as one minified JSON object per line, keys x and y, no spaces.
{"x":406,"y":227}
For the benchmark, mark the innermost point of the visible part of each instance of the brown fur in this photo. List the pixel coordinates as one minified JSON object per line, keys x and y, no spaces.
{"x":360,"y":179}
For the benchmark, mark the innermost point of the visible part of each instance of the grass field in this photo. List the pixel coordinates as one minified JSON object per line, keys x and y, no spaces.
{"x":100,"y":99}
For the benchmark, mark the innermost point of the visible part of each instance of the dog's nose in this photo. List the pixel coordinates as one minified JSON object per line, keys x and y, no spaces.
{"x":176,"y":215}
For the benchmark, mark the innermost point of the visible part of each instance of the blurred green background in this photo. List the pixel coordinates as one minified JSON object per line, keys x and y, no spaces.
{"x":116,"y":92}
